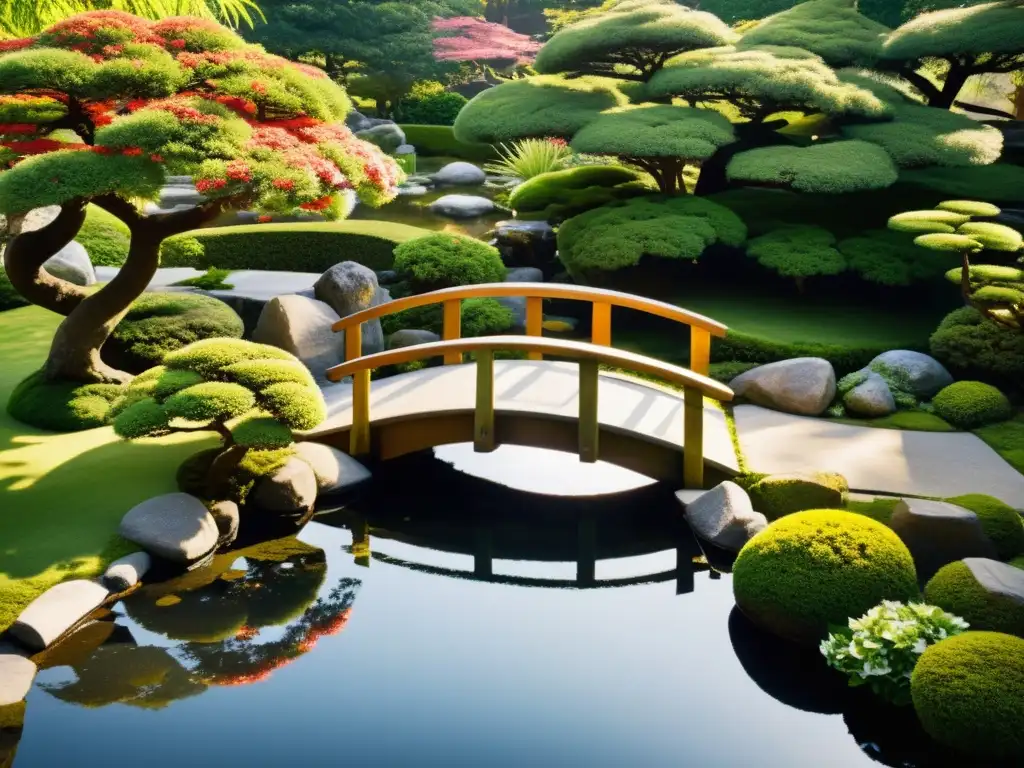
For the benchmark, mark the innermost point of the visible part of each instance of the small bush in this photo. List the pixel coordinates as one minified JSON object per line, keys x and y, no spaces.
{"x":813,"y":569}
{"x":973,"y":345}
{"x":955,"y":589}
{"x":440,"y":141}
{"x":967,"y":694}
{"x":304,"y":247}
{"x":428,"y":103}
{"x":970,"y":404}
{"x":779,"y":495}
{"x":444,"y":260}
{"x":480,"y":317}
{"x":105,"y":237}
{"x":159,"y":323}
{"x":1000,"y":522}
{"x":62,"y":406}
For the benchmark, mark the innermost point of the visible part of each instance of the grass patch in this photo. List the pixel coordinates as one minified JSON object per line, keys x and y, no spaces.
{"x":913,"y":421}
{"x":213,"y":279}
{"x":877,"y":509}
{"x":64,"y":494}
{"x":1006,"y":439}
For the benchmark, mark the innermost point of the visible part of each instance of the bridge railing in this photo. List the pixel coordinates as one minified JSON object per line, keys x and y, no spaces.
{"x":695,"y":387}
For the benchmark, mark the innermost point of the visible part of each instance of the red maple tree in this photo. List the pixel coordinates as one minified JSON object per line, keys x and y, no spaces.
{"x":464,"y":38}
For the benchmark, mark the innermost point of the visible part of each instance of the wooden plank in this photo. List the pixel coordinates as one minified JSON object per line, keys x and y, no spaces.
{"x":483,"y":423}
{"x":452,"y":328}
{"x":700,"y":351}
{"x":588,"y":424}
{"x":601,"y":324}
{"x":353,"y":342}
{"x":359,"y":435}
{"x":534,"y":322}
{"x":693,"y":438}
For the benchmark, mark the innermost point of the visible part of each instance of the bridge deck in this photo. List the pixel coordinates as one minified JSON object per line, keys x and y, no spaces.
{"x":542,"y":388}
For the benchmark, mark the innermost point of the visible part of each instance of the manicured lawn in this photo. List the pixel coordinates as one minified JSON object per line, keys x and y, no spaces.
{"x":1007,"y":439}
{"x":62,"y":496}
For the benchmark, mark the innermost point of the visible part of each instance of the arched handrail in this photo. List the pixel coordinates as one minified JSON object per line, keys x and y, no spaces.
{"x":701,"y":328}
{"x":695,"y":387}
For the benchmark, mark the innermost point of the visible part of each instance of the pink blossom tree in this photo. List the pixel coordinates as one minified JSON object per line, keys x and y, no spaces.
{"x":465,"y":38}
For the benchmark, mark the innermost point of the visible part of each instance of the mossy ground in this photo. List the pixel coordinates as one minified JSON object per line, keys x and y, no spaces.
{"x":59,"y":517}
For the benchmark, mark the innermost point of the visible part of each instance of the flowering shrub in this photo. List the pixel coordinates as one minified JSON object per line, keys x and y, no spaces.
{"x":881,"y":648}
{"x":465,"y":38}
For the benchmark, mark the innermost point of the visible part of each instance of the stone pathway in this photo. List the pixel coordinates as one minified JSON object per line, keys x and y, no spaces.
{"x":249,"y":283}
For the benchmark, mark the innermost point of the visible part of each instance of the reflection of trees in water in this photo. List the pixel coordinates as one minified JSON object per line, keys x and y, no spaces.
{"x":218,"y":615}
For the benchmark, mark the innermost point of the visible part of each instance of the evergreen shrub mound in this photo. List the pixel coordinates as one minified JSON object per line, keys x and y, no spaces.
{"x":817,"y":568}
{"x":955,"y":589}
{"x":62,"y":406}
{"x":480,"y":317}
{"x":891,"y":258}
{"x":779,"y":495}
{"x":997,"y":183}
{"x":158,"y":323}
{"x":440,"y":141}
{"x":972,"y":344}
{"x":972,"y":404}
{"x":1000,"y":522}
{"x":798,"y":252}
{"x":443,"y":260}
{"x":966,"y":693}
{"x":559,"y":195}
{"x":303,"y":247}
{"x":105,"y":237}
{"x":428,"y":103}
{"x":615,"y":237}
{"x":828,"y":168}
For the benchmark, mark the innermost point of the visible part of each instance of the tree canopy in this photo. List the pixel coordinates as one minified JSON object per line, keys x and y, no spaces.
{"x":464,"y":38}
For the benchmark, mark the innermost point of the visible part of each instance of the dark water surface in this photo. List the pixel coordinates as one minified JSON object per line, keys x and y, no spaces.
{"x":368,"y":641}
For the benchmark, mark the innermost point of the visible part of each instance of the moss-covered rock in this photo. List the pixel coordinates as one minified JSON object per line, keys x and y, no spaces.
{"x":820,"y":567}
{"x":967,"y":694}
{"x":972,"y":404}
{"x":1000,"y":522}
{"x":987,"y":593}
{"x":778,"y":495}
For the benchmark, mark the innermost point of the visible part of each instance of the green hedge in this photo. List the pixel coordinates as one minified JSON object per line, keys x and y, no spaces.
{"x":440,"y":141}
{"x":305,"y":247}
{"x":748,"y":348}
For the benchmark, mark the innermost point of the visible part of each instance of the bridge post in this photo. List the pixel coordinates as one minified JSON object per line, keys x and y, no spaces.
{"x":353,"y":342}
{"x":359,"y":435}
{"x":601,"y":324}
{"x":589,"y":429}
{"x":483,"y":417}
{"x":693,"y":438}
{"x":452,"y":328}
{"x":534,"y":322}
{"x":700,"y":350}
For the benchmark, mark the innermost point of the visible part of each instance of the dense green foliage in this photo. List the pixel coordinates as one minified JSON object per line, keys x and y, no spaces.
{"x":559,"y":195}
{"x":433,"y":107}
{"x":479,"y":317}
{"x":1000,"y":522}
{"x":798,"y":252}
{"x":62,"y":406}
{"x":104,"y":237}
{"x":829,"y":168}
{"x":288,"y":247}
{"x":973,"y":345}
{"x":440,"y":141}
{"x":442,"y":260}
{"x":955,"y":589}
{"x":966,"y":693}
{"x":972,"y":404}
{"x":891,"y":258}
{"x":158,"y":323}
{"x":611,"y":238}
{"x":213,"y":279}
{"x":778,"y":495}
{"x":998,"y":183}
{"x":815,"y":568}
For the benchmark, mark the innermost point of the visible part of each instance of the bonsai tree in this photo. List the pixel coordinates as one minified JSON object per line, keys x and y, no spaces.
{"x":102,"y":107}
{"x":251,"y":395}
{"x":997,"y":291}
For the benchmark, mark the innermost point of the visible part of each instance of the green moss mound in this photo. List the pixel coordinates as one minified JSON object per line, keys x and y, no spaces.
{"x":971,"y":344}
{"x":62,"y":406}
{"x":288,"y":247}
{"x":971,"y":404}
{"x":779,"y":495}
{"x":440,"y":141}
{"x":443,"y":260}
{"x":1000,"y":522}
{"x":967,"y":694}
{"x":955,"y":589}
{"x":105,"y":237}
{"x":559,"y":195}
{"x":159,"y":323}
{"x":819,"y":567}
{"x":480,"y":317}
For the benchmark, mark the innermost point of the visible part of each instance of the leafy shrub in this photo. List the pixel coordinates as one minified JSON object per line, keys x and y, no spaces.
{"x":562,"y":194}
{"x":798,"y":252}
{"x":813,"y":569}
{"x":881,"y":648}
{"x":480,"y":317}
{"x":1000,"y":522}
{"x":954,"y":588}
{"x":428,"y":103}
{"x":891,"y":258}
{"x":442,"y":260}
{"x":307,"y":247}
{"x":971,"y":344}
{"x":105,"y":237}
{"x":966,"y":693}
{"x":527,"y":158}
{"x":615,"y":237}
{"x":62,"y":406}
{"x":158,"y":323}
{"x":970,"y":404}
{"x":440,"y":141}
{"x":779,"y":495}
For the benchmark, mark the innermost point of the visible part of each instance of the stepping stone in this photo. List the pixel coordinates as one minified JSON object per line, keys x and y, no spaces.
{"x":334,"y":470}
{"x":459,"y":173}
{"x":127,"y":571}
{"x":722,"y":516}
{"x":937,"y":533}
{"x":292,"y":489}
{"x":16,"y":676}
{"x":56,"y":611}
{"x":174,"y":526}
{"x":462,"y":206}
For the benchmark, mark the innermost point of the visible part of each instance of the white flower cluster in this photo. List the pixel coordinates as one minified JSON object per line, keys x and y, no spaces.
{"x":881,"y":648}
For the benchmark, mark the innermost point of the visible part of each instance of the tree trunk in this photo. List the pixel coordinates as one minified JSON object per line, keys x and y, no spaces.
{"x":26,"y":253}
{"x":956,"y":79}
{"x":713,"y":171}
{"x":75,"y":352}
{"x":965,"y":276}
{"x":1018,"y":102}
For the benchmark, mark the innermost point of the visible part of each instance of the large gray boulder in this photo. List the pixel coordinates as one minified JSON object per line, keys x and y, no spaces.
{"x":127,"y":571}
{"x":175,"y":526}
{"x":357,"y":121}
{"x":921,"y":375}
{"x":459,"y":174}
{"x":302,"y":326}
{"x":71,"y":263}
{"x":871,"y":397}
{"x":347,"y":288}
{"x":226,"y":515}
{"x":462,"y":206}
{"x":517,"y":306}
{"x":387,"y":136}
{"x":16,"y":676}
{"x":56,"y":611}
{"x":803,"y":385}
{"x":334,"y":471}
{"x":290,"y":490}
{"x":410,"y":337}
{"x":937,"y":533}
{"x":723,"y":516}
{"x":524,"y":275}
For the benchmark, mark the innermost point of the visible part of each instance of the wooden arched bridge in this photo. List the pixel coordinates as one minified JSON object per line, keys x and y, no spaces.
{"x":558,"y":397}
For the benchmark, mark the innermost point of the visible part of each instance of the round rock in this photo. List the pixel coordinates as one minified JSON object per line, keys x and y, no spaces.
{"x":410,"y":337}
{"x":525,"y":275}
{"x":174,"y":526}
{"x":225,"y":515}
{"x":127,"y":571}
{"x":871,"y":397}
{"x":16,"y":676}
{"x":462,"y":206}
{"x":71,"y":263}
{"x":803,"y":385}
{"x":302,"y":326}
{"x":723,"y":516}
{"x":459,"y":174}
{"x":923,"y":374}
{"x":334,"y":471}
{"x":292,"y":489}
